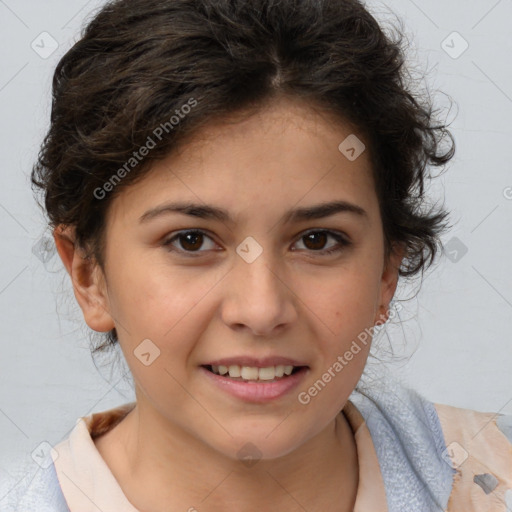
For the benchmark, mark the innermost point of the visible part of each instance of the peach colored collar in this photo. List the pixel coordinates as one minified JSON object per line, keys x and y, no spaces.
{"x":86,"y":481}
{"x":88,"y":484}
{"x":371,"y":493}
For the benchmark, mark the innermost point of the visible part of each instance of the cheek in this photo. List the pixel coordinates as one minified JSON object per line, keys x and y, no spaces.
{"x":343,"y":302}
{"x":344,"y":314}
{"x":173,"y":310}
{"x":156,"y":301}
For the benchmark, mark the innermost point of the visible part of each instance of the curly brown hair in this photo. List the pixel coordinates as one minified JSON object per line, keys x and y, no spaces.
{"x":139,"y":62}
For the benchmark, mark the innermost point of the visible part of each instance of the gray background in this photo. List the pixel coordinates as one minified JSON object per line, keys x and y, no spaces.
{"x":454,"y":342}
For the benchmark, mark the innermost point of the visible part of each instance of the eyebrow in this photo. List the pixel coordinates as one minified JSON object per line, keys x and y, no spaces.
{"x":203,"y":211}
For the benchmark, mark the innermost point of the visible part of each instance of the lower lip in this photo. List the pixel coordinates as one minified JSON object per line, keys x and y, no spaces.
{"x":257,"y":391}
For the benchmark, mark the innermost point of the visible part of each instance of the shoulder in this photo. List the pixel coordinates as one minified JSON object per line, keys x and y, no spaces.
{"x":479,"y":448}
{"x":453,"y":459}
{"x":475,"y":428}
{"x":37,"y":489}
{"x":37,"y":486}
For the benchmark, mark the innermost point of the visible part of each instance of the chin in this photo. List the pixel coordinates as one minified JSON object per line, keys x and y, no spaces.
{"x":253,"y":444}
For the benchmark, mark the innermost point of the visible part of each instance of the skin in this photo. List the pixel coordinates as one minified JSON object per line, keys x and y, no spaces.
{"x":178,"y":448}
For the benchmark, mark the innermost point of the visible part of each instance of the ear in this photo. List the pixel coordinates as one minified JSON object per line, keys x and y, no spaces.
{"x":389,"y":282}
{"x":88,"y":281}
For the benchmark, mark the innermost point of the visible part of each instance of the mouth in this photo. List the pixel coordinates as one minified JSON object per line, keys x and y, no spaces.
{"x":261,"y":374}
{"x":254,"y":379}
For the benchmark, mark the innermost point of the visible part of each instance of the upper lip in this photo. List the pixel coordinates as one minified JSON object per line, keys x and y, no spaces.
{"x":263,"y":362}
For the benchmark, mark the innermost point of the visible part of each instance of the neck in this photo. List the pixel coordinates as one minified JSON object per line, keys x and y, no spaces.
{"x":157,"y":468}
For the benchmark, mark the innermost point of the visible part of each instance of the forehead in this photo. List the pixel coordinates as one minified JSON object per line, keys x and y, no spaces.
{"x":285,"y":153}
{"x":273,"y":130}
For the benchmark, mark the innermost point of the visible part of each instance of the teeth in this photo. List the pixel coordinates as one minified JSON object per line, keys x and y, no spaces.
{"x":234,"y":370}
{"x":252,"y":372}
{"x":267,"y":373}
{"x":249,"y":372}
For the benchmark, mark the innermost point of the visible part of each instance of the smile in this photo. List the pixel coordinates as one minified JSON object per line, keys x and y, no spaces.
{"x":257,"y":384}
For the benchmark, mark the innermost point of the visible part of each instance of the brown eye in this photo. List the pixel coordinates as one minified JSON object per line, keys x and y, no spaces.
{"x":191,"y":241}
{"x":188,"y":242}
{"x":315,"y":241}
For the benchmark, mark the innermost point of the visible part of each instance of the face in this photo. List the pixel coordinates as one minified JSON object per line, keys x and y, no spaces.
{"x":222,"y":259}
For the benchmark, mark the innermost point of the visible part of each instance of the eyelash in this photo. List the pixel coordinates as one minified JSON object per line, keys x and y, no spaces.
{"x":343,"y":242}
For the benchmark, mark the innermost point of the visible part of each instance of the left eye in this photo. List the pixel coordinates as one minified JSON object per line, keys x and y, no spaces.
{"x":317,"y":238}
{"x":192,"y":241}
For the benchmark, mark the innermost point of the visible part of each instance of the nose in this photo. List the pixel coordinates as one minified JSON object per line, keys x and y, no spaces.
{"x":258,"y":297}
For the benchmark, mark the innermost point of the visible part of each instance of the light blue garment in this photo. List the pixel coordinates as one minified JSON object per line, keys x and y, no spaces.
{"x":409,"y":444}
{"x":37,"y":492}
{"x":408,"y":441}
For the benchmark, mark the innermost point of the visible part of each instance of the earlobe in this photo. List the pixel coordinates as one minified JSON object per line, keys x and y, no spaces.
{"x":87,"y":280}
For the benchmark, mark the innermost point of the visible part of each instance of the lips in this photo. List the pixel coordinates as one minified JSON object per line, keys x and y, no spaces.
{"x":255,"y":390}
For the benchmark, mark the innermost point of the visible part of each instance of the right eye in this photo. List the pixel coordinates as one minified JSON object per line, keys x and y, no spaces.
{"x":190,"y":241}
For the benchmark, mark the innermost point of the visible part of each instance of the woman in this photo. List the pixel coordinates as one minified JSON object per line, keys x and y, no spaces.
{"x":235,"y":190}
